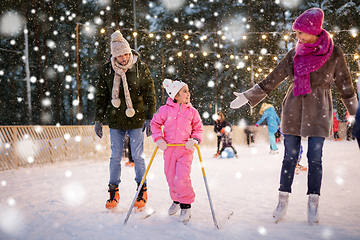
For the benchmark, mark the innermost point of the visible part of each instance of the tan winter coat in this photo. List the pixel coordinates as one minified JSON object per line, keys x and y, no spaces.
{"x":309,"y":115}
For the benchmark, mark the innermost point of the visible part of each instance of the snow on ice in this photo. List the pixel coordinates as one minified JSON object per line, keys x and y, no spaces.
{"x":66,"y":200}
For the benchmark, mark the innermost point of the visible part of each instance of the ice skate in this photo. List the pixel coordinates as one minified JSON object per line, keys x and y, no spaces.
{"x":274,"y":151}
{"x":175,"y":206}
{"x":282,"y":206}
{"x":313,"y":214}
{"x":113,"y":201}
{"x":300,"y":168}
{"x":141,"y":199}
{"x":185,"y":215}
{"x":130,"y":164}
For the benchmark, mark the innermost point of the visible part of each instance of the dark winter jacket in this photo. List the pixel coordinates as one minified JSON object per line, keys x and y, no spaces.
{"x":220,"y":125}
{"x":309,"y":114}
{"x":226,"y":140}
{"x":142,"y":92}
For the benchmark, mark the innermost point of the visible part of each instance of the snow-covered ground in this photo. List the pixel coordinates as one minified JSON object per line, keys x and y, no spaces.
{"x":66,"y":201}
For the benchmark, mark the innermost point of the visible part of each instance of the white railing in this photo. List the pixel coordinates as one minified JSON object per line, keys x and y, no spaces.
{"x":23,"y":146}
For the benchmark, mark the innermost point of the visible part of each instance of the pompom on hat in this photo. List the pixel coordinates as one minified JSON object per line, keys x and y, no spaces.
{"x":310,"y":21}
{"x":119,"y":45}
{"x":172,"y":87}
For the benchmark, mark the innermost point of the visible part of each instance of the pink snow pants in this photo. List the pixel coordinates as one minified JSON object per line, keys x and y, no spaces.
{"x":177,"y":167}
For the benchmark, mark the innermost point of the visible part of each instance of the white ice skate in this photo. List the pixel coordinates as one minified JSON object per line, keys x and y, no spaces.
{"x":282,"y":206}
{"x":185,"y":215}
{"x":273,"y":152}
{"x":174,"y":208}
{"x":313,"y":214}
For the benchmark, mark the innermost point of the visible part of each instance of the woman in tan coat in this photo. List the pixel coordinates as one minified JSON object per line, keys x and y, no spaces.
{"x":307,"y":107}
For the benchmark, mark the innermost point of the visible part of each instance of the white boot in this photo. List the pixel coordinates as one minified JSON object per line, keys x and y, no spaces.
{"x":282,"y":206}
{"x":185,"y":215}
{"x":313,"y":203}
{"x":174,"y":208}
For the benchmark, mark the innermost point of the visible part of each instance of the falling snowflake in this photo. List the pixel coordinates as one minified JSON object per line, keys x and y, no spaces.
{"x":11,"y":24}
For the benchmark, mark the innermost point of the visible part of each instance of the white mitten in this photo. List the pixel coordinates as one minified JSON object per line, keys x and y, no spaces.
{"x":161,"y":144}
{"x":190,"y":143}
{"x":240,"y":101}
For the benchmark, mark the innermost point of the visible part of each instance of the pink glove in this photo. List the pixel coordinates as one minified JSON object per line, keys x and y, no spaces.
{"x":190,"y":143}
{"x":256,"y":125}
{"x":161,"y":144}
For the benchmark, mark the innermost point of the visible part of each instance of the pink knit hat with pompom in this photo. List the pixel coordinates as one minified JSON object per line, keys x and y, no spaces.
{"x":310,"y":21}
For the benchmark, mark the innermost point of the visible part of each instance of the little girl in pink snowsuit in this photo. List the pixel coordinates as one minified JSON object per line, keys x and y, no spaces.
{"x":182,"y":124}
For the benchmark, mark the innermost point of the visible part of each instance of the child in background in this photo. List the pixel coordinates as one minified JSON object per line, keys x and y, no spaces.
{"x":220,"y":123}
{"x":182,"y":124}
{"x":226,"y":142}
{"x":336,"y":127}
{"x":300,"y":167}
{"x":273,"y":121}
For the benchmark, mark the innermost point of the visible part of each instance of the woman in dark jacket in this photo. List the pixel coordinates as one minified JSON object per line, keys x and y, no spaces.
{"x":307,"y":107}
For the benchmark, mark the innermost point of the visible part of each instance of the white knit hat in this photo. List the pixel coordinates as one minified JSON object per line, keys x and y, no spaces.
{"x":119,"y":45}
{"x":172,"y":87}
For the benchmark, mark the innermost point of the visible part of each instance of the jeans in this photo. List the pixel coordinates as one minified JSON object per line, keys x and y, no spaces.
{"x":117,"y":138}
{"x":314,"y":155}
{"x":273,"y":145}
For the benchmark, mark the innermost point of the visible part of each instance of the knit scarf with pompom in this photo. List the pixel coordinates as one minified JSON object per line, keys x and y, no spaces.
{"x":120,"y":71}
{"x":310,"y":57}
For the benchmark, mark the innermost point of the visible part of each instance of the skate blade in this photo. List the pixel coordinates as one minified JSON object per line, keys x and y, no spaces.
{"x":137,"y":210}
{"x":186,"y":221}
{"x":313,"y":223}
{"x":277,"y":219}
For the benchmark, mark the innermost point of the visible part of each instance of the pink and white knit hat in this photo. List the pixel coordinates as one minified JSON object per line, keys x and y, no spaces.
{"x":172,"y":87}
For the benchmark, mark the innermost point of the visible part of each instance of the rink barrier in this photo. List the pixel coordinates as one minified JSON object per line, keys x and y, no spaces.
{"x":26,"y":146}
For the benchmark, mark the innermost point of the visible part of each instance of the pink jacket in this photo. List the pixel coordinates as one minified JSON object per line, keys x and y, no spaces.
{"x":181,"y":122}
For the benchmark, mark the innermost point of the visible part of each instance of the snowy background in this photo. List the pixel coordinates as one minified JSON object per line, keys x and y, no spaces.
{"x":66,"y":201}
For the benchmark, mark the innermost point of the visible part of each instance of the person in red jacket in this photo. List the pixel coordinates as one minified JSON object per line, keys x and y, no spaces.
{"x":336,"y":128}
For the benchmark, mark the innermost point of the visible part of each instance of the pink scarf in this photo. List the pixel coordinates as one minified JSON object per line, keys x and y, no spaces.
{"x":310,"y":57}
